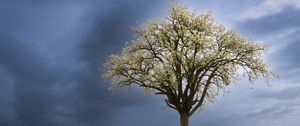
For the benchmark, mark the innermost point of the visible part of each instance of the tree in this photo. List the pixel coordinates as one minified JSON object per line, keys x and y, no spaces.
{"x":187,"y":58}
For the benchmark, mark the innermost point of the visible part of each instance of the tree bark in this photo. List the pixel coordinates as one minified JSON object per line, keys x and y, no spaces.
{"x":184,"y":119}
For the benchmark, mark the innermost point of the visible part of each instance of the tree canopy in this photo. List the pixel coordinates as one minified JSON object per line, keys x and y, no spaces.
{"x":188,"y":58}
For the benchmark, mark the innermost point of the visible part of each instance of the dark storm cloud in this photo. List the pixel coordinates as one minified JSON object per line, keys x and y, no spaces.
{"x":285,"y":94}
{"x":288,"y":55}
{"x":50,"y":95}
{"x":23,"y":30}
{"x":270,"y":112}
{"x":275,"y":23}
{"x":33,"y":81}
{"x":35,"y":2}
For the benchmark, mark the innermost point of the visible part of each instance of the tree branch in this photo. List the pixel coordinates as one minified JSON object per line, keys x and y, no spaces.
{"x":200,"y":102}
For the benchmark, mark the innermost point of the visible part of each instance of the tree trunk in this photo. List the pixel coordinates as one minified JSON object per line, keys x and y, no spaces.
{"x":184,"y":120}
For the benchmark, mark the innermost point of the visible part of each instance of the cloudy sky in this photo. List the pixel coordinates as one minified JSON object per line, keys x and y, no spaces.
{"x":51,"y":53}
